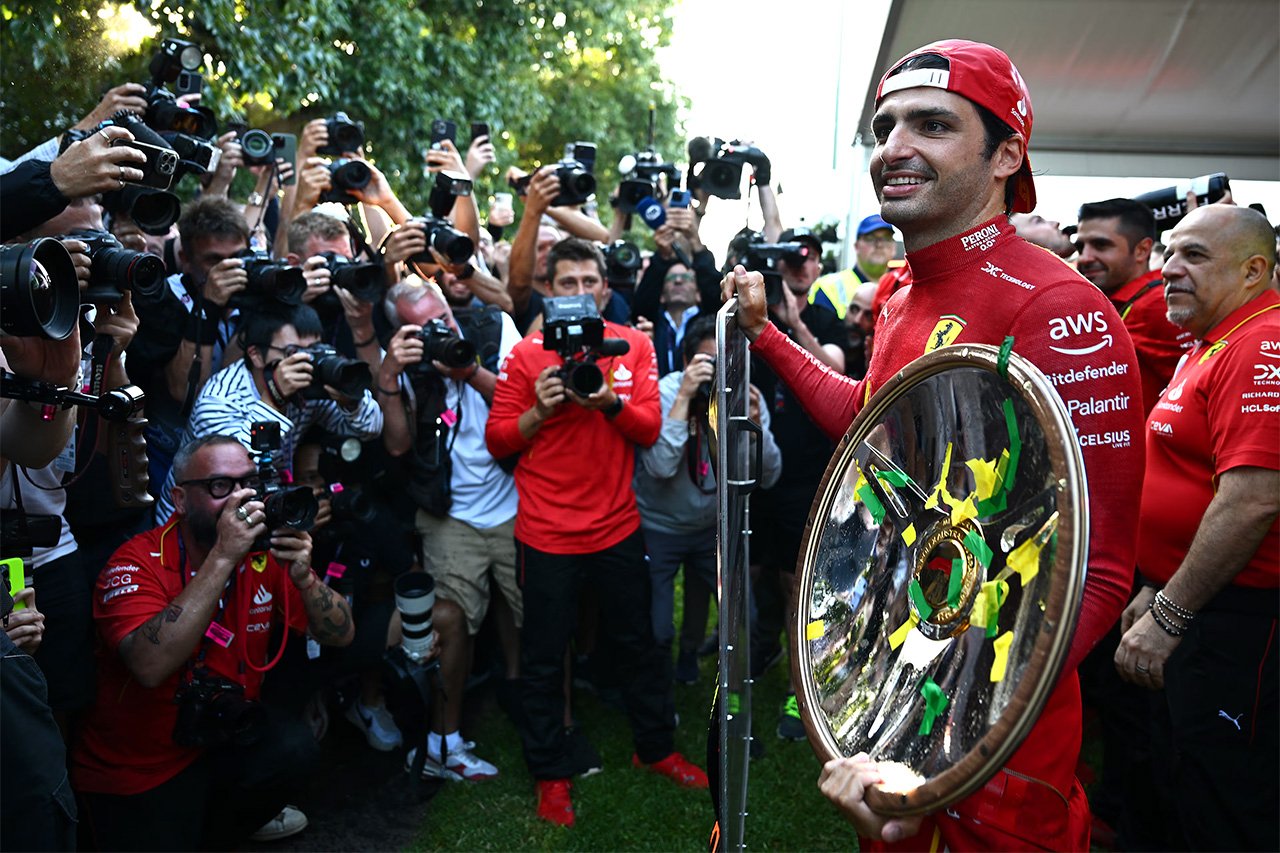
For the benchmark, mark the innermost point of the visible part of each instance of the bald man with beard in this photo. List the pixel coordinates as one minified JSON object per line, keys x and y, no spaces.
{"x":1201,"y":632}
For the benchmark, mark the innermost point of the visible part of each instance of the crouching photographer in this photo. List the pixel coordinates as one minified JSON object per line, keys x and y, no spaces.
{"x":177,"y":754}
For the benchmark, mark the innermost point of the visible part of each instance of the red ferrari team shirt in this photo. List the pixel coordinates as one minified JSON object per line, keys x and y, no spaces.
{"x":126,"y":745}
{"x":574,"y":478}
{"x":979,"y":287}
{"x":1221,"y":411}
{"x":1158,"y":343}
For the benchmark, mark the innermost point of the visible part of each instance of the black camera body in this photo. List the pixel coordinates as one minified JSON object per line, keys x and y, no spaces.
{"x":345,"y":176}
{"x":344,"y":135}
{"x":575,"y":171}
{"x":270,"y":281}
{"x":22,"y":532}
{"x":165,"y":115}
{"x":332,"y":368}
{"x":646,"y":176}
{"x":454,"y":245}
{"x":285,"y":505}
{"x":572,"y":327}
{"x":443,"y":344}
{"x":116,"y":270}
{"x":722,"y":163}
{"x":365,"y":281}
{"x":621,"y":262}
{"x":195,"y":156}
{"x":213,"y":711}
{"x":349,"y":504}
{"x":763,"y":257}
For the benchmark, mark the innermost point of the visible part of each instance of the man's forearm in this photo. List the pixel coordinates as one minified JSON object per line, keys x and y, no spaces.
{"x":396,"y":436}
{"x":166,"y":641}
{"x":328,"y":614}
{"x":524,"y":251}
{"x":30,"y":440}
{"x":579,"y":224}
{"x":530,"y":423}
{"x":1233,"y":527}
{"x":489,"y":290}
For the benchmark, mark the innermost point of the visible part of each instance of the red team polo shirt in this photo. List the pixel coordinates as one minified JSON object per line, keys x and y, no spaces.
{"x":127,"y":744}
{"x":1158,"y":343}
{"x":979,"y":287}
{"x":1221,"y":411}
{"x":574,"y":478}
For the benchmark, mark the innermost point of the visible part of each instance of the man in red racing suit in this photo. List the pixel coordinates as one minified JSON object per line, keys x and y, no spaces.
{"x":942,"y":180}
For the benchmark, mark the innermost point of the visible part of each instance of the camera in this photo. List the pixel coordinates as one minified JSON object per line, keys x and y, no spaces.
{"x":722,"y":162}
{"x":455,"y":246}
{"x":415,"y":594}
{"x":444,"y":345}
{"x":39,"y":292}
{"x":577,"y":183}
{"x":572,"y":327}
{"x":117,"y":269}
{"x":644,"y":175}
{"x":346,"y":175}
{"x":344,"y":135}
{"x":349,"y":504}
{"x":763,"y":257}
{"x":178,"y":62}
{"x":154,"y":211}
{"x":365,"y":281}
{"x":1169,"y":205}
{"x":195,"y":156}
{"x":22,"y":532}
{"x":447,"y":187}
{"x":285,"y":506}
{"x":621,"y":262}
{"x":269,"y":281}
{"x":332,"y":368}
{"x":213,"y":711}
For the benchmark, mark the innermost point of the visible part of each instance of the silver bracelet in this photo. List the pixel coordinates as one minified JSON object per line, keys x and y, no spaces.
{"x":1181,"y":612}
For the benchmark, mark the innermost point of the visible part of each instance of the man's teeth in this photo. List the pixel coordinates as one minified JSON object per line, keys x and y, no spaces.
{"x":901,"y":182}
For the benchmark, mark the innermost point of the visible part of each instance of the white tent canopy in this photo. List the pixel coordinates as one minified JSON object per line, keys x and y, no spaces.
{"x":1124,"y":87}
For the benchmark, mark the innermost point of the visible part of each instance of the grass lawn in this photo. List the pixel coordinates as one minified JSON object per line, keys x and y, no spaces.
{"x":628,"y":809}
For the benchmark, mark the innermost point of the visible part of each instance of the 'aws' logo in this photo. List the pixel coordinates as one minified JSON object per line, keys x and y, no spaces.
{"x":1062,"y":328}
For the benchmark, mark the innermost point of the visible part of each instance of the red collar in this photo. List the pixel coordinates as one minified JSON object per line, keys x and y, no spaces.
{"x":1127,"y":291}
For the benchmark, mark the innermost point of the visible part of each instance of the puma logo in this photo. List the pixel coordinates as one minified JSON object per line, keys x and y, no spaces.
{"x":1235,"y":721}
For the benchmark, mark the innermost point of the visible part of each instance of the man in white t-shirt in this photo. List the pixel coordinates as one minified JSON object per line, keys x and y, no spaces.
{"x":436,"y":404}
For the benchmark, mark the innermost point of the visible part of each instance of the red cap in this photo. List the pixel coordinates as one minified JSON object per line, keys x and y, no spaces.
{"x":986,"y":76}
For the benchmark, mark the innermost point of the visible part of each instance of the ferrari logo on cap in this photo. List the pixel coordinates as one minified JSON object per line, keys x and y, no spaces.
{"x":944,"y":333}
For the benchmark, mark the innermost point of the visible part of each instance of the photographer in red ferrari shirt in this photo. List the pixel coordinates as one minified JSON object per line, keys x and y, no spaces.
{"x":1201,"y":632}
{"x":177,"y":754}
{"x":952,"y":124}
{"x":577,"y":523}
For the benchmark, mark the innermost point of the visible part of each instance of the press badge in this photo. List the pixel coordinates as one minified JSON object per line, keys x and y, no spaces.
{"x":66,"y":460}
{"x":219,"y":635}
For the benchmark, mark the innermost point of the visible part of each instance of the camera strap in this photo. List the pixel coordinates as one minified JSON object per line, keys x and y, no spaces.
{"x":193,"y":373}
{"x":216,"y":632}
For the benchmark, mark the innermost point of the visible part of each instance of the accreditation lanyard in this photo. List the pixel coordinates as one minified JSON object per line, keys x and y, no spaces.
{"x":216,"y":632}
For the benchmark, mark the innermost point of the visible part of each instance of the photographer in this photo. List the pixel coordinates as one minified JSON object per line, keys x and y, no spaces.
{"x":571,"y":528}
{"x":670,"y":293}
{"x":676,"y":494}
{"x":177,"y":754}
{"x":183,"y":333}
{"x":268,"y":384}
{"x":436,"y":414}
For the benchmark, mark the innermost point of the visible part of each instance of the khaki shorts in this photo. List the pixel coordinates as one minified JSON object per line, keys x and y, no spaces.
{"x":461,"y":557}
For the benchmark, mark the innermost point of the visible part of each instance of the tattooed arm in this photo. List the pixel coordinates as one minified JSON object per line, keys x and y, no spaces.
{"x":328,"y":614}
{"x":166,"y":641}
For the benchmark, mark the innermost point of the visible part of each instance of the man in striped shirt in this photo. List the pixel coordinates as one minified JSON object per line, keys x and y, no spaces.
{"x":268,"y":385}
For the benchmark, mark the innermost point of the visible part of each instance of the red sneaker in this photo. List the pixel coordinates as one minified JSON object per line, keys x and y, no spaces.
{"x":677,"y":768}
{"x":554,"y":804}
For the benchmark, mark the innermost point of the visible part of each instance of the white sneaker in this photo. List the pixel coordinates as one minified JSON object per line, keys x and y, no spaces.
{"x":289,"y":822}
{"x":378,"y":725}
{"x":462,"y":764}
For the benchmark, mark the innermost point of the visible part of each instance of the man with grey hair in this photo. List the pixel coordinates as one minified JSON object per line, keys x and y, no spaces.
{"x":1201,"y":632}
{"x":435,"y":385}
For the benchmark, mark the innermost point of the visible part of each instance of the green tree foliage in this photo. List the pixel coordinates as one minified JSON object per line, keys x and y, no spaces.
{"x":541,"y":73}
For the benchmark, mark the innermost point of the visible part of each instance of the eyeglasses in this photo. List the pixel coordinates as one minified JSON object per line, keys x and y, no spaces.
{"x":878,"y":241}
{"x":220,"y":487}
{"x":680,"y":278}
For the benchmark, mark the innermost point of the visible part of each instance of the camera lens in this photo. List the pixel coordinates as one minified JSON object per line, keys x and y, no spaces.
{"x":39,"y":293}
{"x":275,"y":281}
{"x":350,"y":377}
{"x":346,"y":137}
{"x":154,"y":211}
{"x":584,"y":379}
{"x":453,"y":244}
{"x":257,"y":146}
{"x":349,"y":175}
{"x":294,"y":507}
{"x":415,"y":597}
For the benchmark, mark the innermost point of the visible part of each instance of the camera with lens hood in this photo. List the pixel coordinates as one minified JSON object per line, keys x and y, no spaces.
{"x":575,"y":171}
{"x":344,"y":135}
{"x":763,"y":257}
{"x":572,"y":327}
{"x":177,"y":62}
{"x":365,"y":281}
{"x":330,"y":367}
{"x":39,"y":291}
{"x":344,"y":177}
{"x":441,"y":343}
{"x":455,"y":246}
{"x":270,"y":281}
{"x":621,"y":262}
{"x":722,"y":162}
{"x":117,"y":270}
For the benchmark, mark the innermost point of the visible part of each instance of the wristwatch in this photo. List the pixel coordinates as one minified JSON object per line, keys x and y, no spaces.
{"x":611,"y":411}
{"x":255,"y":199}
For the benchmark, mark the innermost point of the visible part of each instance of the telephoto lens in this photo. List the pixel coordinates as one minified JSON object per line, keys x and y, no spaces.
{"x":444,"y":345}
{"x":332,"y":368}
{"x":117,"y":269}
{"x":415,"y":597}
{"x":346,"y":175}
{"x":365,"y":281}
{"x":154,"y":211}
{"x":269,"y":281}
{"x":39,"y":293}
{"x":455,"y":246}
